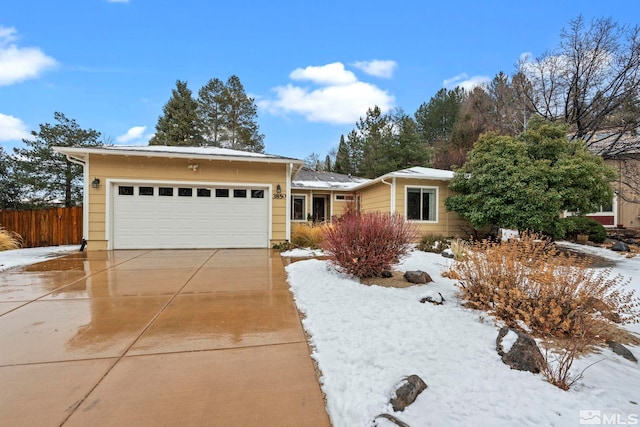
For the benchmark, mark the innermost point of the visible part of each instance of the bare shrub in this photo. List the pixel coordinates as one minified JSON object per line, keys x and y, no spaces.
{"x":9,"y":240}
{"x":553,"y":293}
{"x":459,"y":248}
{"x":432,"y":243}
{"x":366,"y":245}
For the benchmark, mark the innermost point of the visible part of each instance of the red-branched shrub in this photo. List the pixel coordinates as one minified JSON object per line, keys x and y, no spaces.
{"x":368,"y":244}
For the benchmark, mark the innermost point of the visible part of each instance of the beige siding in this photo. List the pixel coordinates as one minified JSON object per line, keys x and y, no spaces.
{"x":162,"y":169}
{"x":628,"y":212}
{"x":375,"y":198}
{"x":335,"y":208}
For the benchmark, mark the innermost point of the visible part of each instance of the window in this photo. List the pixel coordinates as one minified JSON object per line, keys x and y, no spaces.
{"x":421,"y":204}
{"x":239,"y":194}
{"x":145,"y":191}
{"x":298,"y":208}
{"x":345,"y":198}
{"x":204,"y":192}
{"x":185,"y":192}
{"x":125,"y":190}
{"x":222,"y":192}
{"x":257,"y":194}
{"x":165,"y":191}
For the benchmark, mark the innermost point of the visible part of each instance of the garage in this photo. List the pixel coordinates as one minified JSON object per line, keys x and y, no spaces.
{"x":172,"y":216}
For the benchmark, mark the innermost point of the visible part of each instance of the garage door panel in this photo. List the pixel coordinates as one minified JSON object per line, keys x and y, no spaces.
{"x":147,"y":222}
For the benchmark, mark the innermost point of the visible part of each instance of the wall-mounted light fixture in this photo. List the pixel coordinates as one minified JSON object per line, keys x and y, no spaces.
{"x":95,"y":183}
{"x":278,"y":189}
{"x":193,"y":166}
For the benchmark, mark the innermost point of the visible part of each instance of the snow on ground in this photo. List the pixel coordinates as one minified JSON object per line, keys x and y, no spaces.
{"x":21,"y":257}
{"x":302,"y":253}
{"x":366,"y":339}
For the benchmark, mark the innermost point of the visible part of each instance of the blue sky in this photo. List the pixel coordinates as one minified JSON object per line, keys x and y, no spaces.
{"x":313,"y":67}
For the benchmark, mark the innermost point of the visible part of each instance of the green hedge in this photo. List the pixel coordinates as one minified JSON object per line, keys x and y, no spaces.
{"x":574,"y":225}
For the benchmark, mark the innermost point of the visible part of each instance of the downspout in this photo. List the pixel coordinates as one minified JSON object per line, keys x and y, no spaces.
{"x":287,"y":232}
{"x":392,"y":202}
{"x":331,"y":206}
{"x":85,"y":196}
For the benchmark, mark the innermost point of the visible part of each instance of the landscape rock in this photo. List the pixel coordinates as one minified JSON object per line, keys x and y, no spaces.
{"x":417,"y":277}
{"x":620,"y":247}
{"x":447,"y":253}
{"x":387,"y":274}
{"x":407,"y":392}
{"x":524,"y":354}
{"x":621,"y":350}
{"x":390,"y":418}
{"x":433,"y":299}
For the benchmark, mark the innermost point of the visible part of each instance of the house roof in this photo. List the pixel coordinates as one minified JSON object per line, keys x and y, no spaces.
{"x":420,"y":172}
{"x":208,"y":153}
{"x":309,"y":179}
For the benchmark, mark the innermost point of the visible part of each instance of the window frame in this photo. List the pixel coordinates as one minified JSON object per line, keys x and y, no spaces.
{"x":304,"y":207}
{"x":344,"y":198}
{"x":436,"y":191}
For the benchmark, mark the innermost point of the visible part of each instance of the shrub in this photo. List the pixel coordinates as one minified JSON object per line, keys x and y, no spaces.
{"x":308,"y":235}
{"x":9,"y":240}
{"x":432,"y":243}
{"x":368,"y":244}
{"x":459,"y":248}
{"x":553,"y":293}
{"x":574,"y":225}
{"x":283,"y":246}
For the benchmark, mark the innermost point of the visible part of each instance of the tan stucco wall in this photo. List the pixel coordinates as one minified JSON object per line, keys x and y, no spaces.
{"x":377,"y":198}
{"x":164,"y":169}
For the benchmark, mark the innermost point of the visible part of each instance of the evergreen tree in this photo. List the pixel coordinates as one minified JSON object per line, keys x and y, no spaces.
{"x":376,"y":130}
{"x":47,"y":175}
{"x":355,"y":145}
{"x":343,"y":158}
{"x":437,"y":118}
{"x":409,"y":150}
{"x":179,"y":123}
{"x":228,"y":116}
{"x":327,"y":164}
{"x":10,"y":190}
{"x":211,"y":105}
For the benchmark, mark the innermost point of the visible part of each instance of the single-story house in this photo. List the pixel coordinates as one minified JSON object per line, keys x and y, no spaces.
{"x":161,"y":197}
{"x":623,"y":154}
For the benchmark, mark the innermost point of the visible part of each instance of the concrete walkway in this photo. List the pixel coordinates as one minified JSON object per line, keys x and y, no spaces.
{"x":146,"y":338}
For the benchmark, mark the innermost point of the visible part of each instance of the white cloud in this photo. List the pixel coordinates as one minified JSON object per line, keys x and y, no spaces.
{"x":12,"y":128}
{"x":330,"y":74}
{"x":135,"y":135}
{"x":377,"y":68}
{"x":340,"y":98}
{"x":464,"y":81}
{"x":20,"y":63}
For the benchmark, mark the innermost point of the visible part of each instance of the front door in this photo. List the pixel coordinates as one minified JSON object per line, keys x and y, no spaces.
{"x":319,"y":211}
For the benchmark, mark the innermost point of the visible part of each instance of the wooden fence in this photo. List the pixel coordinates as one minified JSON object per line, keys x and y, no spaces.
{"x":45,"y":227}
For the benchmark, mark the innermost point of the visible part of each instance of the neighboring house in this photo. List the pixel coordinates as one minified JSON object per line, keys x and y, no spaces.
{"x":417,"y":193}
{"x":622,"y":153}
{"x":148,"y":197}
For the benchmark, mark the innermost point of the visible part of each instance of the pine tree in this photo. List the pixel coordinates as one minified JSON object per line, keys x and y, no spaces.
{"x":343,"y":159}
{"x":211,"y":103}
{"x":240,"y":118}
{"x":10,"y":190}
{"x":47,"y":175}
{"x":179,"y":123}
{"x":327,"y":164}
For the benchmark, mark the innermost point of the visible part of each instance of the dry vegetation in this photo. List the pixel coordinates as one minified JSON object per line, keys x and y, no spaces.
{"x":554,"y":295}
{"x":309,"y":235}
{"x":9,"y":240}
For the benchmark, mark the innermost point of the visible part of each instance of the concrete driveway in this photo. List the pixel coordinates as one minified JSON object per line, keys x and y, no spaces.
{"x":172,"y":337}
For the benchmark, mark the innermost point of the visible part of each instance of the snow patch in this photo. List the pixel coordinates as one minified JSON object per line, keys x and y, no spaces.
{"x":22,"y":257}
{"x":509,"y":340}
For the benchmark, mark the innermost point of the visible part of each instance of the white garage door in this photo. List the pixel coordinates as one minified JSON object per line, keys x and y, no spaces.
{"x":172,"y":216}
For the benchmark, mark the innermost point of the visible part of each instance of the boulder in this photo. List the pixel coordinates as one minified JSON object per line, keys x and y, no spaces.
{"x":621,"y":350}
{"x":417,"y":277}
{"x":524,"y":354}
{"x":407,"y":392}
{"x":387,"y":274}
{"x":389,"y":418}
{"x":620,"y":247}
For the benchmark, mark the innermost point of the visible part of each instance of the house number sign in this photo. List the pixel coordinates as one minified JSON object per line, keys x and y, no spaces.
{"x":280,"y":196}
